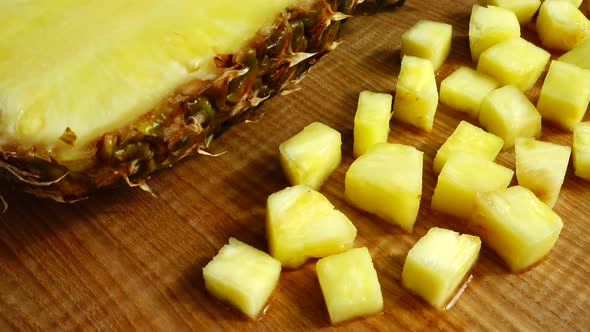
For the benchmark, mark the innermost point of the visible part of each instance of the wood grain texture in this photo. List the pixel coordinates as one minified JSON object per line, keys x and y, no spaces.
{"x":123,"y":260}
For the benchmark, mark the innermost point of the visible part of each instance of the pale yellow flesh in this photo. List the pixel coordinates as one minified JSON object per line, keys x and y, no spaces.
{"x":489,"y":26}
{"x":465,"y":89}
{"x":581,"y":150}
{"x":97,"y":65}
{"x":561,"y":25}
{"x":371,"y":121}
{"x":524,"y":9}
{"x":428,"y":40}
{"x":579,"y":55}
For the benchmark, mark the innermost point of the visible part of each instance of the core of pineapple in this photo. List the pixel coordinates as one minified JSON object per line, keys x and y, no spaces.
{"x":416,"y":96}
{"x":461,"y":178}
{"x":350,"y":285}
{"x":311,"y":155}
{"x":468,"y":139}
{"x":438,"y":263}
{"x":508,"y":113}
{"x":581,"y":150}
{"x":113,"y":90}
{"x":489,"y":26}
{"x":465,"y":89}
{"x":302,"y":223}
{"x":565,"y":94}
{"x":561,"y":25}
{"x":428,"y":40}
{"x":517,"y":225}
{"x":579,"y":55}
{"x":523,"y":9}
{"x":242,"y":276}
{"x":541,"y":167}
{"x":514,"y":61}
{"x":371,"y":121}
{"x":387,"y":181}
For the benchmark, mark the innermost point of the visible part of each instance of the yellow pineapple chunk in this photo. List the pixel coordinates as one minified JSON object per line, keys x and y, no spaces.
{"x":579,"y":55}
{"x":416,"y":96}
{"x":465,"y":89}
{"x":489,"y":26}
{"x":350,"y":285}
{"x":576,"y":3}
{"x":508,"y":113}
{"x":428,"y":40}
{"x":565,"y":94}
{"x":517,"y":225}
{"x":242,"y":276}
{"x":581,"y":150}
{"x":371,"y":122}
{"x":302,"y":223}
{"x":561,"y":25}
{"x":523,"y":9}
{"x":468,"y":139}
{"x":541,"y":167}
{"x":514,"y":61}
{"x":387,"y":181}
{"x":438,"y":263}
{"x":312,"y":155}
{"x":461,"y":178}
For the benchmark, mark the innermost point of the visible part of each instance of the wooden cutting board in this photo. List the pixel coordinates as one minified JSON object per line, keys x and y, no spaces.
{"x":124,"y":260}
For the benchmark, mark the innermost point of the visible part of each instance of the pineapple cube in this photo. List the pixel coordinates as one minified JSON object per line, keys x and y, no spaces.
{"x":461,"y":178}
{"x":438,"y":263}
{"x":541,"y":167}
{"x":428,"y":40}
{"x":576,"y":3}
{"x":416,"y":96}
{"x":489,"y":26}
{"x":371,"y":122}
{"x":581,"y":147}
{"x":302,"y":223}
{"x":561,"y":25}
{"x":514,"y":61}
{"x":312,"y":155}
{"x":565,"y":94}
{"x":465,"y":89}
{"x":517,"y":225}
{"x":387,"y":181}
{"x":579,"y":55}
{"x":350,"y":285}
{"x":243,"y":276}
{"x":507,"y":113}
{"x":469,"y":139}
{"x":523,"y":9}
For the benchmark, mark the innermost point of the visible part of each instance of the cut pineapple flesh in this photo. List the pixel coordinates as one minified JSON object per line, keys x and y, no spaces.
{"x":438,"y":263}
{"x":350,"y":285}
{"x":541,"y":167}
{"x":302,"y":223}
{"x":242,"y":276}
{"x":517,"y":225}
{"x":371,"y":121}
{"x":312,"y":155}
{"x":579,"y":55}
{"x":561,"y":25}
{"x":524,"y":9}
{"x":581,"y":150}
{"x":387,"y":181}
{"x":465,"y":89}
{"x":489,"y":26}
{"x":428,"y":40}
{"x":471,"y":140}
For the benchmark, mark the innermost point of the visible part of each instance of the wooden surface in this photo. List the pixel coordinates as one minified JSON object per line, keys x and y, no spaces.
{"x":124,"y":260}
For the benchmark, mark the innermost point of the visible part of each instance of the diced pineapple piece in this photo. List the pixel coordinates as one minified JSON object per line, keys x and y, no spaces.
{"x":243,"y":276}
{"x":461,"y":178}
{"x":312,"y":155}
{"x":416,"y":96}
{"x":350,"y":285}
{"x":565,"y":94}
{"x":561,"y":25}
{"x":541,"y":167}
{"x":428,"y":40}
{"x":523,"y":9}
{"x":465,"y":89}
{"x":489,"y":26}
{"x":517,"y":225}
{"x":469,"y":139}
{"x":576,"y":3}
{"x":302,"y":223}
{"x":371,"y":122}
{"x":438,"y":263}
{"x":387,"y":181}
{"x":508,"y":113}
{"x":581,"y":150}
{"x":579,"y":55}
{"x":514,"y":61}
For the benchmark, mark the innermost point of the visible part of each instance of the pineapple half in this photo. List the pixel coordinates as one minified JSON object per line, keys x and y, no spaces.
{"x":95,"y":92}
